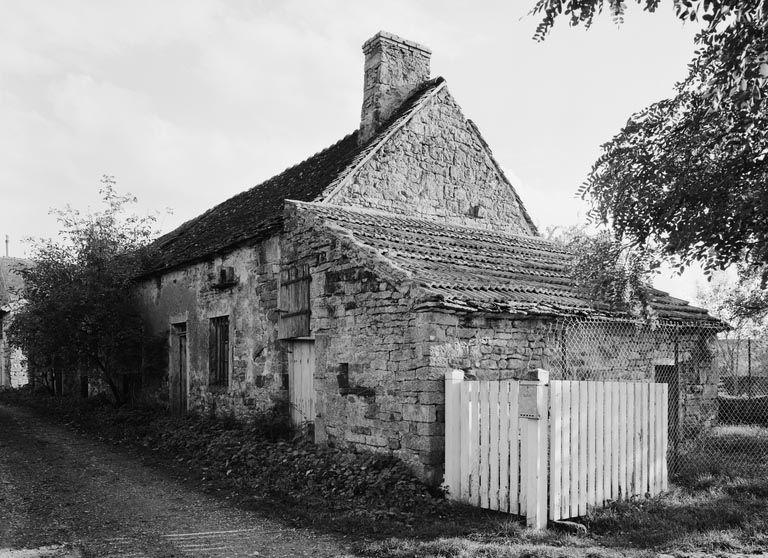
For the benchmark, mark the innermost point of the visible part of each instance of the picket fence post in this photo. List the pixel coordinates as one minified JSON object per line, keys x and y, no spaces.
{"x":534,"y":450}
{"x":453,"y":416}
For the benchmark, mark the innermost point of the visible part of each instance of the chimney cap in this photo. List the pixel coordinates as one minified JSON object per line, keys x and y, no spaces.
{"x":391,"y":37}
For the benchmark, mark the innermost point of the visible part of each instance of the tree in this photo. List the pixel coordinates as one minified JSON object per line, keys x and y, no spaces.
{"x":608,"y":270}
{"x":742,"y":301}
{"x":732,"y":59}
{"x":687,"y":175}
{"x":80,"y":313}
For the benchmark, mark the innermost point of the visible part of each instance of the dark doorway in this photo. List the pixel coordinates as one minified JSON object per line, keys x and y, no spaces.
{"x":669,"y":374}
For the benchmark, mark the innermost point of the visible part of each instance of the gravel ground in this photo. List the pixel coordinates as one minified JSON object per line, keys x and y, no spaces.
{"x":65,"y":495}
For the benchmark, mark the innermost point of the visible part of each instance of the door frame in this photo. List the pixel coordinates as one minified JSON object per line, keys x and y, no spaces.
{"x":670,"y":374}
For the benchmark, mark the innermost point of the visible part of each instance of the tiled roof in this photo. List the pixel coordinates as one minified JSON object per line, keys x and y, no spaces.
{"x":479,"y":270}
{"x":258,"y":211}
{"x":11,"y":281}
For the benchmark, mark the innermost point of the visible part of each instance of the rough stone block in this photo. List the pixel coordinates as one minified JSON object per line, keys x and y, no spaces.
{"x":419,"y":413}
{"x":431,"y":397}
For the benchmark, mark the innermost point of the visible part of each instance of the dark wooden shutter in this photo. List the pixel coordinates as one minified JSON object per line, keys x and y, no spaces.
{"x":224,"y":359}
{"x":213,"y":353}
{"x":218,"y":351}
{"x":294,"y":302}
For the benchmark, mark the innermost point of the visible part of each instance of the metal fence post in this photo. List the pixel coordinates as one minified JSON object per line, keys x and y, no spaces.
{"x":453,"y":416}
{"x":534,"y":412}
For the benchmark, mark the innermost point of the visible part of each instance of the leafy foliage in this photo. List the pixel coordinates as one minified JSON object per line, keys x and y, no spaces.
{"x":732,"y":59}
{"x":79,"y":313}
{"x":742,"y":302}
{"x":609,"y":271}
{"x":689,"y":179}
{"x":688,"y":174}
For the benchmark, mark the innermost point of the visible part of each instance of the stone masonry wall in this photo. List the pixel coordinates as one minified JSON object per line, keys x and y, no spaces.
{"x":621,"y":351}
{"x":393,"y":69}
{"x":500,"y":348}
{"x":437,"y":166}
{"x":256,"y":360}
{"x":365,"y":328}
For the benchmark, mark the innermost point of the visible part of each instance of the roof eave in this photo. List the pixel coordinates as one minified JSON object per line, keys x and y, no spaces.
{"x":502,"y":309}
{"x":270,"y":228}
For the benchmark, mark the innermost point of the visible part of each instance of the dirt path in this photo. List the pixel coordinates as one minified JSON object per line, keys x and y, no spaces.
{"x":58,"y":488}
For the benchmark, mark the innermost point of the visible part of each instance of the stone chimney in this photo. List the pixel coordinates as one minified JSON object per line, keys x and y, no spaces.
{"x":394,"y":68}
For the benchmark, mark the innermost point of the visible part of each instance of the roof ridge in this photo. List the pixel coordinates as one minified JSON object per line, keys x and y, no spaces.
{"x":309,"y":179}
{"x":160,"y":243}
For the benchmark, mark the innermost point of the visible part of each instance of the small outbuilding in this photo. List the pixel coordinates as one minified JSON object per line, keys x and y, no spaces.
{"x":349,"y":285}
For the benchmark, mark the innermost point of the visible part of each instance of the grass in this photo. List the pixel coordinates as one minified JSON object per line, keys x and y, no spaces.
{"x":716,"y":506}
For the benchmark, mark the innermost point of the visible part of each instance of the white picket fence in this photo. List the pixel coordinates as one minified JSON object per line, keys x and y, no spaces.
{"x":551,"y":449}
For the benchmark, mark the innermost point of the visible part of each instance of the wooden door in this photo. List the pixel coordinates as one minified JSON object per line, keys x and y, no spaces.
{"x":301,"y":389}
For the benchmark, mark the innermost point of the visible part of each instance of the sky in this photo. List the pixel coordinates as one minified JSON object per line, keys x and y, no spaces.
{"x":188,"y":102}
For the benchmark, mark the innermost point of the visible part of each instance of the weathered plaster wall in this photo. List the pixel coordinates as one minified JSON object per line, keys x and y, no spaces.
{"x":437,"y":166}
{"x":13,"y":363}
{"x":189,"y":295}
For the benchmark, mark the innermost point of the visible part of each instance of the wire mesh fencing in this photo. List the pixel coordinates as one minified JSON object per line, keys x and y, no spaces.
{"x":717,"y":385}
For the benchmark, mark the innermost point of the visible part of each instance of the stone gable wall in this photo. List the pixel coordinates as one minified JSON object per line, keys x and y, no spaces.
{"x":437,"y":166}
{"x":256,"y":362}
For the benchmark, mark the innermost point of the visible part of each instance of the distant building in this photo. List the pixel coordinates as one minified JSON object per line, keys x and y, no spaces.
{"x":13,"y":364}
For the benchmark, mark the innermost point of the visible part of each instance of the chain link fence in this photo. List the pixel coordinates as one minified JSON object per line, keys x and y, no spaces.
{"x":717,"y":384}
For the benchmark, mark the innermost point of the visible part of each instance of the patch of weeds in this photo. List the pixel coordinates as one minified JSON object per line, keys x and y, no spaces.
{"x":265,"y":461}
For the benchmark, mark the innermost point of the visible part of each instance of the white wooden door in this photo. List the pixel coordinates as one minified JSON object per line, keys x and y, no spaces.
{"x":301,"y":390}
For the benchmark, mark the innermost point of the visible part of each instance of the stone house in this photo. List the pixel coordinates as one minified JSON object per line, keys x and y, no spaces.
{"x":13,"y":364}
{"x":350,"y":283}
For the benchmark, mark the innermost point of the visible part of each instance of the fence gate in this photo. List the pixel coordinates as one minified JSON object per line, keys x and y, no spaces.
{"x":550,"y":449}
{"x":608,"y":441}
